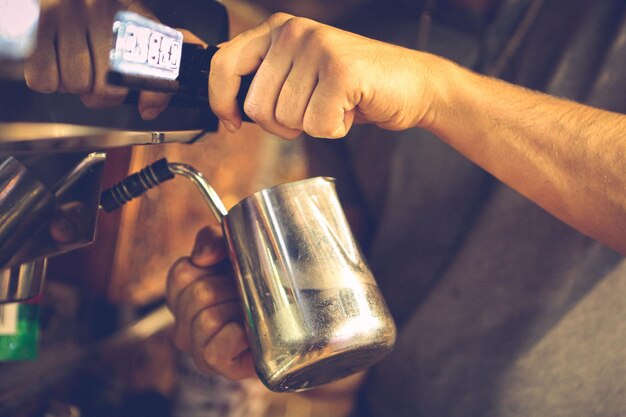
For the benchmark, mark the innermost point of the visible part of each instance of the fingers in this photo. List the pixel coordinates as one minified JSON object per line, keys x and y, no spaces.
{"x":329,"y":114}
{"x":241,"y":56}
{"x":72,"y":53}
{"x":41,"y":70}
{"x":182,"y":274}
{"x":208,"y":312}
{"x":209,"y":293}
{"x":301,"y":82}
{"x":209,"y":248}
{"x":151,"y":104}
{"x":189,"y":37}
{"x":263,"y":95}
{"x":74,"y":59}
{"x":295,"y":95}
{"x":100,"y":20}
{"x":227,"y":353}
{"x":207,"y":258}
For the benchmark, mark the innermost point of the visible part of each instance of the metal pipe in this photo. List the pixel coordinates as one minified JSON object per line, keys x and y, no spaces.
{"x":22,"y":282}
{"x":208,"y":193}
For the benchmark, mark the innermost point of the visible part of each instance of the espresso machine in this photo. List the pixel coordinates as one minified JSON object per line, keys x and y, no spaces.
{"x":53,"y":148}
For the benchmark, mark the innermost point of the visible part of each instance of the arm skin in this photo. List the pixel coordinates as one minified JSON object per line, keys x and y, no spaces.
{"x":313,"y":78}
{"x":568,"y":158}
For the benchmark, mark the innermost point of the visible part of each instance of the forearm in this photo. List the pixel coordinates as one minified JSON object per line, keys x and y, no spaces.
{"x":568,"y":158}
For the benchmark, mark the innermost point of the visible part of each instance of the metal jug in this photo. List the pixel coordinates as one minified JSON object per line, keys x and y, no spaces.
{"x":314,"y":313}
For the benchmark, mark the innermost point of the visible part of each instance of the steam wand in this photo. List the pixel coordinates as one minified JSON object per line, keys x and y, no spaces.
{"x":153,"y":175}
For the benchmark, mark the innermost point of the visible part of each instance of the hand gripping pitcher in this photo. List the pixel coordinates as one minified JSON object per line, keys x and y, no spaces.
{"x":314,"y":313}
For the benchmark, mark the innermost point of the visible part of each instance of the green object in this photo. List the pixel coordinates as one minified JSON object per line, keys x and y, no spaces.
{"x":19,"y":330}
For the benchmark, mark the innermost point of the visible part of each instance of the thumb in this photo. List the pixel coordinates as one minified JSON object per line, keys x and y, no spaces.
{"x":209,"y":248}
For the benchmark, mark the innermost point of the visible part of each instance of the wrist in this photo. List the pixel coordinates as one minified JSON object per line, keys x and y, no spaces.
{"x":441,"y":81}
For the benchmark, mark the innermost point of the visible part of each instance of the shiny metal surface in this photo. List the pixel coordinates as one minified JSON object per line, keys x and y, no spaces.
{"x":314,"y":313}
{"x":59,"y":137}
{"x":25,"y":204}
{"x":313,"y":310}
{"x":23,"y":281}
{"x":36,"y":192}
{"x":208,"y":193}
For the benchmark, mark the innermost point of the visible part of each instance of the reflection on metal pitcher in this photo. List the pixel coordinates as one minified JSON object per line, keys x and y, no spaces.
{"x":314,"y":313}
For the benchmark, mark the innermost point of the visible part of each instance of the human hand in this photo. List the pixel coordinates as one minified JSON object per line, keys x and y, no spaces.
{"x":317,"y":79}
{"x":209,"y":318}
{"x":72,"y":53}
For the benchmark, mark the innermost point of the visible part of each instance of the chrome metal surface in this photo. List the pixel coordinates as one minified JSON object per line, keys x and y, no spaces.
{"x":39,"y":193}
{"x":25,"y":204}
{"x":23,"y":281}
{"x":314,"y":313}
{"x":91,"y":161}
{"x":145,"y":48}
{"x":208,"y":193}
{"x":59,"y":137}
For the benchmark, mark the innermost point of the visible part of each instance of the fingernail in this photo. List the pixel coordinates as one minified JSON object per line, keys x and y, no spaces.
{"x":229,"y":126}
{"x":150,"y":113}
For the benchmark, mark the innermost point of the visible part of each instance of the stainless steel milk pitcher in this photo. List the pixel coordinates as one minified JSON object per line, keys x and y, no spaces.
{"x":314,"y":313}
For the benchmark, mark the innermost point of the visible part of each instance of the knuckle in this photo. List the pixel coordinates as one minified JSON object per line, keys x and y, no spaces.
{"x":311,"y":127}
{"x":286,"y":120}
{"x":203,"y":294}
{"x":219,"y":73}
{"x":257,"y":112}
{"x":92,"y":101}
{"x":335,"y":70}
{"x":181,"y":272}
{"x":209,"y":322}
{"x":95,"y":9}
{"x":317,"y":129}
{"x":291,"y":134}
{"x":42,"y":84}
{"x":218,"y":60}
{"x":320,"y":37}
{"x":294,"y":28}
{"x":285,"y":116}
{"x":118,"y":97}
{"x":278,"y":19}
{"x":212,"y":357}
